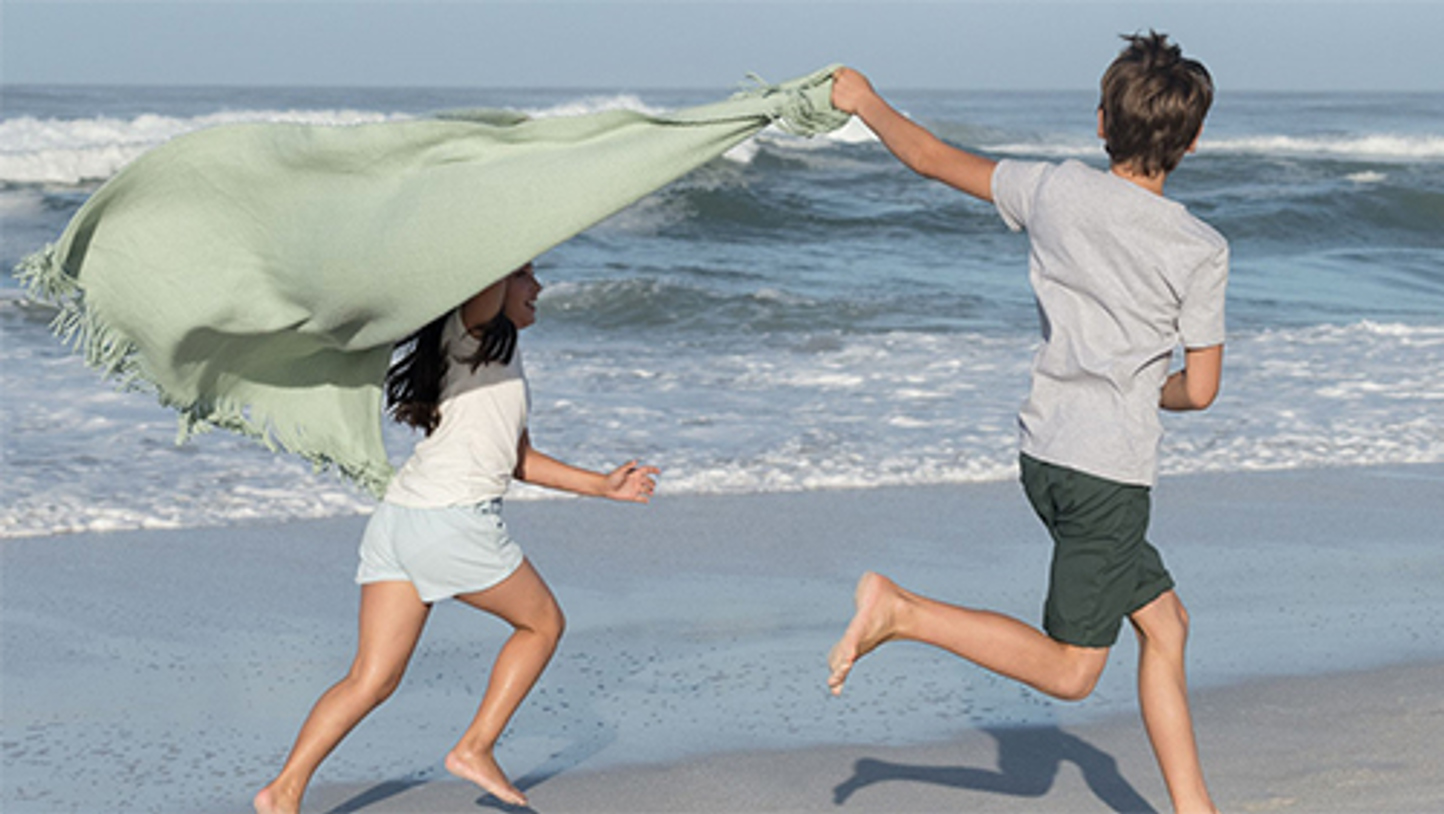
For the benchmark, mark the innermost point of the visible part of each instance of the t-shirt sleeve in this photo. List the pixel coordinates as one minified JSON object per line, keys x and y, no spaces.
{"x":1015,"y":185}
{"x":1201,"y":321}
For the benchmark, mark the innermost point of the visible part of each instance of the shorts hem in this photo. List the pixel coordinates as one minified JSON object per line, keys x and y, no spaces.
{"x":449,"y":593}
{"x":1090,"y":642}
{"x":1164,"y":587}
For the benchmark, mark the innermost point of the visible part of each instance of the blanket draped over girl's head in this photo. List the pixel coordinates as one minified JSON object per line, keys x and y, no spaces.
{"x":257,"y":276}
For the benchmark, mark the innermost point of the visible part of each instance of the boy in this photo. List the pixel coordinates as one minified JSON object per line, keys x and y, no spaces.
{"x":1122,"y":276}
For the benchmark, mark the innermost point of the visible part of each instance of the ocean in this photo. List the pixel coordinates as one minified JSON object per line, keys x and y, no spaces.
{"x":797,"y":315}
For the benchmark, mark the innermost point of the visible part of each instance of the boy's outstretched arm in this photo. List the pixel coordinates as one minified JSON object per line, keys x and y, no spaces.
{"x":920,"y":150}
{"x":1196,"y":385}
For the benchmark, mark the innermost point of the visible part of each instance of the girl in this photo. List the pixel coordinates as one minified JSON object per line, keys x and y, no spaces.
{"x":439,"y":533}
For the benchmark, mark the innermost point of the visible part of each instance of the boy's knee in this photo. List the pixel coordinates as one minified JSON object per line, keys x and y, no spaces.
{"x":1182,"y":618}
{"x":1164,"y":621}
{"x":1077,"y":686}
{"x":1080,"y":674}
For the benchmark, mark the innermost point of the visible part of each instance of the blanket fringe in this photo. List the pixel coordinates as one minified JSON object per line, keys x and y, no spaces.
{"x":45,"y":280}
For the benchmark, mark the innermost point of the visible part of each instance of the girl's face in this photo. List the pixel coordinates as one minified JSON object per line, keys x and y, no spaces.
{"x":519,"y":301}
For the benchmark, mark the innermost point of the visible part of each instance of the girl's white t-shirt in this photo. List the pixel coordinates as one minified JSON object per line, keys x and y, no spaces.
{"x":472,"y":454}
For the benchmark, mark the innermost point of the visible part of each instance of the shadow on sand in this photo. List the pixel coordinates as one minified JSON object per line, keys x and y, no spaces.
{"x":1028,"y":763}
{"x":379,"y":793}
{"x":570,"y":757}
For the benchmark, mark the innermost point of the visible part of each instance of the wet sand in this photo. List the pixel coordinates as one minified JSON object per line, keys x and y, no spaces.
{"x":168,"y":670}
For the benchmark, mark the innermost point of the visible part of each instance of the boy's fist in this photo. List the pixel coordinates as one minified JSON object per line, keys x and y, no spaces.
{"x":849,"y":88}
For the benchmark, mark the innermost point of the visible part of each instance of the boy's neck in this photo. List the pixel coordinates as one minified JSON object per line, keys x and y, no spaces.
{"x":1152,"y":183}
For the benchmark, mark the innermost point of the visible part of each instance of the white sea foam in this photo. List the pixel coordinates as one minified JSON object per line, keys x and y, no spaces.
{"x":72,"y":151}
{"x":1362,"y":178}
{"x":1380,"y":146}
{"x":899,"y":409}
{"x":1056,"y":150}
{"x":743,"y":153}
{"x":854,"y":132}
{"x":589,"y":105}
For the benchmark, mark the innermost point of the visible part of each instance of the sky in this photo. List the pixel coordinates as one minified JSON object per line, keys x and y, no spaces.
{"x":614,"y":44}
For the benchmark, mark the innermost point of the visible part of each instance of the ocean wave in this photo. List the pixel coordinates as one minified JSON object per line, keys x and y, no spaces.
{"x":52,"y":151}
{"x":75,"y":151}
{"x":702,"y":303}
{"x":1380,"y":146}
{"x":1373,"y":147}
{"x":1344,"y":209}
{"x":589,"y":105}
{"x":748,"y":415}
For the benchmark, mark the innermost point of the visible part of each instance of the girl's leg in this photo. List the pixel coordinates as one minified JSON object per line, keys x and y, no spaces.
{"x":1162,"y":628}
{"x":525,"y":602}
{"x":392,"y":616}
{"x":991,"y":640}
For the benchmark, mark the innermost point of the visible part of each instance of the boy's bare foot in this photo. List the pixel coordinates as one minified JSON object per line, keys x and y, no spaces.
{"x":481,"y":768}
{"x":269,"y":801}
{"x":871,"y":626}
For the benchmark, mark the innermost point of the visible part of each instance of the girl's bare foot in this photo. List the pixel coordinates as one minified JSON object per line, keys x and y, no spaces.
{"x":871,"y":626}
{"x":481,"y":768}
{"x":269,"y":801}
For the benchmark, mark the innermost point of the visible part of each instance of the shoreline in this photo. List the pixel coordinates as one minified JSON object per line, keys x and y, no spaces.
{"x":169,"y":670}
{"x":1301,"y":743}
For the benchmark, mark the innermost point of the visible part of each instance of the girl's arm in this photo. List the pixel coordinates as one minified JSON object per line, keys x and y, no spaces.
{"x":628,"y":482}
{"x":483,"y":306}
{"x":922,"y":152}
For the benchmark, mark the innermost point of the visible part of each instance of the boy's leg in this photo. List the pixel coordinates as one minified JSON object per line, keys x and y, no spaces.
{"x":1162,"y":628}
{"x":886,"y":612}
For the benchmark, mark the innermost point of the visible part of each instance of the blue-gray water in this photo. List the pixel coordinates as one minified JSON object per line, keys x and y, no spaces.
{"x":799,"y":314}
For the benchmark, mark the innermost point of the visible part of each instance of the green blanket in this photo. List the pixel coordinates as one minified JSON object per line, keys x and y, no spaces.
{"x":257,"y":276}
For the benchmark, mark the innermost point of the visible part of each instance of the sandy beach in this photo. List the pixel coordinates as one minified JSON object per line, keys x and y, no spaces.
{"x":1358,"y":742}
{"x":167,"y":670}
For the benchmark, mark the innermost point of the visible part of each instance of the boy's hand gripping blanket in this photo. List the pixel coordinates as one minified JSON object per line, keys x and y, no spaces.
{"x":257,"y":276}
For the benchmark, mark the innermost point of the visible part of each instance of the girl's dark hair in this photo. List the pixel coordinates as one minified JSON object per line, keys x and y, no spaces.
{"x":413,"y":382}
{"x":1154,"y":101}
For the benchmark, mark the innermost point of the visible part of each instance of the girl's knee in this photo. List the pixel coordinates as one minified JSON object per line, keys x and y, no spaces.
{"x":548,"y":622}
{"x":374,"y":685}
{"x":555,"y":624}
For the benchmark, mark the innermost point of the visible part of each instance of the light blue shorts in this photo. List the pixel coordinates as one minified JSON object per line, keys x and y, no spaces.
{"x":443,"y":552}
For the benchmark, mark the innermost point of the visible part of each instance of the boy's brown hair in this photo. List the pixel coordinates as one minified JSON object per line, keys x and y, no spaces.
{"x":1153,"y":103}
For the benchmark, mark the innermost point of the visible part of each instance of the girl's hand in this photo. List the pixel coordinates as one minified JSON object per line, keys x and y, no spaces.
{"x":631,"y":482}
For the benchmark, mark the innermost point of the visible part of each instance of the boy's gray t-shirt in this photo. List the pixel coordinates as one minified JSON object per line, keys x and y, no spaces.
{"x":1122,"y":277}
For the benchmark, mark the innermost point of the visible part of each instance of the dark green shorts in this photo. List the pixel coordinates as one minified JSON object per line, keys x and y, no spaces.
{"x":1103,"y":566}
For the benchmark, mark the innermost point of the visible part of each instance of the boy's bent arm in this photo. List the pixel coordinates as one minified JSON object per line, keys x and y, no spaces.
{"x":1196,"y":385}
{"x":916,"y":147}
